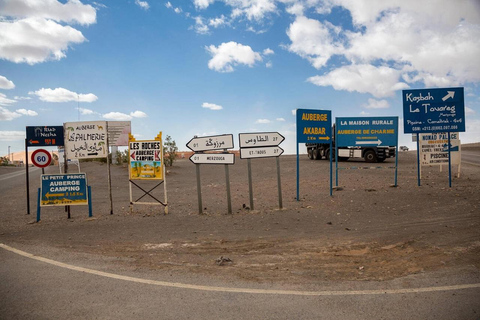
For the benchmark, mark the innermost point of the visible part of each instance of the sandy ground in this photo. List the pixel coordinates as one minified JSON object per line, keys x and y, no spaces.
{"x":368,"y":230}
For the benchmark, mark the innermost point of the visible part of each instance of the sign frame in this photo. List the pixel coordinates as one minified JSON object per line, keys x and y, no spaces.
{"x":228,"y":158}
{"x":362,"y":131}
{"x":211,"y":143}
{"x":92,"y":138}
{"x":80,"y":194}
{"x":260,"y":139}
{"x":44,"y":136}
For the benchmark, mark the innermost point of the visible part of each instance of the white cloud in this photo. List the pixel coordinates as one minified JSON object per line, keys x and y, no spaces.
{"x":363,"y":113}
{"x":72,"y":11}
{"x":211,"y":106}
{"x":469,"y":111}
{"x":376,"y":104}
{"x":7,"y":115}
{"x":200,"y":26}
{"x":142,"y":4}
{"x":35,"y":40}
{"x":217,"y":22}
{"x":262,"y":121}
{"x":177,"y":10}
{"x":202,"y":4}
{"x":4,"y":101}
{"x":6,"y":84}
{"x":63,"y":95}
{"x":84,"y":111}
{"x":119,"y":116}
{"x":379,"y":81}
{"x":168,"y":5}
{"x":231,"y":54}
{"x":280,"y":119}
{"x":268,"y":51}
{"x":311,"y":40}
{"x":269,"y":64}
{"x":138,"y":114}
{"x":11,"y":135}
{"x":26,"y":112}
{"x":252,"y":9}
{"x":294,"y":112}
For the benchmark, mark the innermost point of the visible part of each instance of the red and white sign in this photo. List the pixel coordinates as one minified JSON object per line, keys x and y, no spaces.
{"x":41,"y":158}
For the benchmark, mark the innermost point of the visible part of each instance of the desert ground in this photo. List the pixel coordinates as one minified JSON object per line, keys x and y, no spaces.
{"x":367,"y":230}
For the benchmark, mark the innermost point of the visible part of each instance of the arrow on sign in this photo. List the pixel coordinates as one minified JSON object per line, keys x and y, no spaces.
{"x":378,"y":142}
{"x":33,"y":141}
{"x":324,"y":138}
{"x":450,"y":94}
{"x":133,"y":155}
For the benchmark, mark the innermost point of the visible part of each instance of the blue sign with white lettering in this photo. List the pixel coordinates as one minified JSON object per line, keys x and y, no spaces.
{"x":434,"y":110}
{"x":314,"y":126}
{"x":366,"y":131}
{"x":63,"y":189}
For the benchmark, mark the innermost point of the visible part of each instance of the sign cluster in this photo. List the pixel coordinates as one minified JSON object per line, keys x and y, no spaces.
{"x":212,"y":143}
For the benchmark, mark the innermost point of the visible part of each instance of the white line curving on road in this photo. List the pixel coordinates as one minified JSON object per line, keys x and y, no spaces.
{"x":238,"y":290}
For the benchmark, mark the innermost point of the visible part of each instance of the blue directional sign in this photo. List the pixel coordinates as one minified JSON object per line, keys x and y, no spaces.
{"x":434,"y":110}
{"x":42,"y":136}
{"x":314,"y":126}
{"x":63,"y":189}
{"x":366,"y":131}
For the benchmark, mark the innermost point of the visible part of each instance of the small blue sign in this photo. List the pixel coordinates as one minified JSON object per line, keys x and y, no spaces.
{"x":45,"y":136}
{"x":434,"y":110}
{"x":314,"y":126}
{"x":63,"y":189}
{"x":366,"y":131}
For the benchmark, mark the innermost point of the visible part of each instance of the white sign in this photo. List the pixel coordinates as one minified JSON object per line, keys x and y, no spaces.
{"x":224,"y":141}
{"x":434,"y":148}
{"x":213,"y":158}
{"x":260,"y":152}
{"x":118,"y":132}
{"x":86,"y":139}
{"x":260,"y":139}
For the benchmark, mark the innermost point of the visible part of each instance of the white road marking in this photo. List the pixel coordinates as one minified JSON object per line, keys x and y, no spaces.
{"x":16,"y":174}
{"x":238,"y":290}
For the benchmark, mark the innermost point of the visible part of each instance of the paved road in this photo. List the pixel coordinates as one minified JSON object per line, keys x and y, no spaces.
{"x":471,"y":157}
{"x":32,"y":289}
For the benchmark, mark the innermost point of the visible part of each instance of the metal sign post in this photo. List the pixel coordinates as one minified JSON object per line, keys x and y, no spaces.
{"x":313,"y":126}
{"x":212,"y":143}
{"x":261,"y":145}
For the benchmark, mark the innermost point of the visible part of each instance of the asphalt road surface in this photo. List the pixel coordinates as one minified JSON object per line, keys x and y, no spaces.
{"x":32,"y":289}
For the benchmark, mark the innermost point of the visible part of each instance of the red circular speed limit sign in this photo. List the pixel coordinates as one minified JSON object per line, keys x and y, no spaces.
{"x":41,"y":158}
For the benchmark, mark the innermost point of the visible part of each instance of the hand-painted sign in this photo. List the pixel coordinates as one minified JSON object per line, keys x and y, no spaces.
{"x":434,"y":148}
{"x":219,"y":142}
{"x":434,"y":110}
{"x":41,"y":158}
{"x":366,"y":131}
{"x":314,"y":126}
{"x":146,"y":159}
{"x":213,"y":158}
{"x":44,"y":136}
{"x":260,"y":139}
{"x":63,"y":189}
{"x":86,"y":139}
{"x":260,"y":152}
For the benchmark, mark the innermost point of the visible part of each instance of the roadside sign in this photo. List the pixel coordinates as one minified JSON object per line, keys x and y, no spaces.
{"x":213,"y":158}
{"x":63,"y":189}
{"x":366,"y":131}
{"x":41,"y":158}
{"x":42,"y":136}
{"x":118,"y":132}
{"x":219,"y":142}
{"x":314,"y":126}
{"x":260,"y":139}
{"x":146,"y":159}
{"x":260,"y":152}
{"x":434,"y":110}
{"x":86,"y":139}
{"x":434,"y":148}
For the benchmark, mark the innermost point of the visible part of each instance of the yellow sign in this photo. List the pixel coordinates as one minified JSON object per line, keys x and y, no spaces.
{"x":146,"y":159}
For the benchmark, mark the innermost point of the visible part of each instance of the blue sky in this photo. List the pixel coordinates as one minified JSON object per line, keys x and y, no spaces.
{"x":206,"y":67}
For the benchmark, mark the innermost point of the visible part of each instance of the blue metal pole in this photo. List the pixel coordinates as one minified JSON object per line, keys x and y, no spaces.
{"x":89,"y":201}
{"x":418,"y":158}
{"x":298,"y":176}
{"x":38,"y":204}
{"x":449,"y":163}
{"x":396,"y":157}
{"x":331,"y":176}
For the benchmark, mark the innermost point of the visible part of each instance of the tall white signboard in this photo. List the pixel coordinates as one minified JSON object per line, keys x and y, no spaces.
{"x":85,"y":140}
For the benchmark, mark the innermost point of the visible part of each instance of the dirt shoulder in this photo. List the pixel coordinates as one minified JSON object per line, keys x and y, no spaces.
{"x":367,"y":230}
